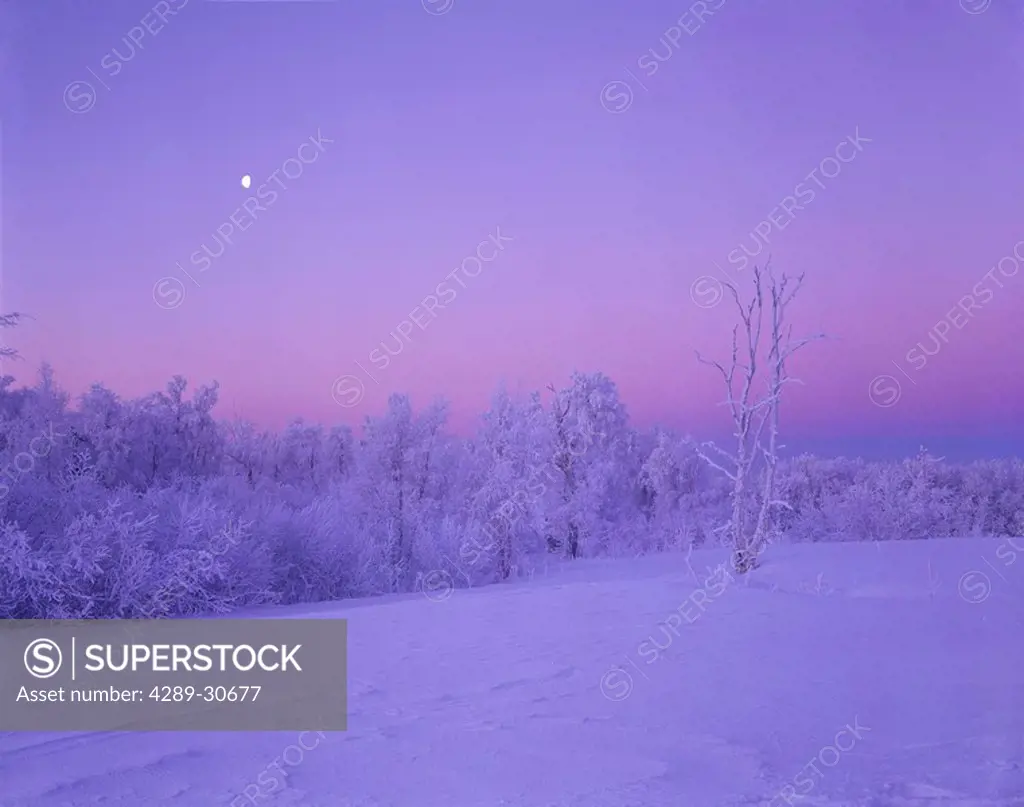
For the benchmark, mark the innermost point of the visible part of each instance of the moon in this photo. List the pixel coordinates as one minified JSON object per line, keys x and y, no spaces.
{"x":246,"y":181}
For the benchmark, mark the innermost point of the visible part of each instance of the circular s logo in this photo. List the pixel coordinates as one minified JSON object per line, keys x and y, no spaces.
{"x":616,"y":97}
{"x":974,"y":587}
{"x":79,"y":97}
{"x":437,"y":7}
{"x":43,"y":658}
{"x":706,"y":291}
{"x":884,"y":391}
{"x":438,"y":585}
{"x":616,"y":684}
{"x":975,"y":6}
{"x":347,"y":391}
{"x":168,"y":292}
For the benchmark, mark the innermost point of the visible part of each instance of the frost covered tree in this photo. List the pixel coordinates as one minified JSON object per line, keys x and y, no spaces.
{"x":763,"y":315}
{"x":399,"y":454}
{"x":157,"y":438}
{"x":505,"y":515}
{"x":592,"y":463}
{"x":95,"y":435}
{"x":670,"y":484}
{"x":245,"y":451}
{"x":306,"y":457}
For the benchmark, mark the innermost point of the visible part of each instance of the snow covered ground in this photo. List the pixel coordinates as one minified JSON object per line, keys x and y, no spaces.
{"x":841,"y":674}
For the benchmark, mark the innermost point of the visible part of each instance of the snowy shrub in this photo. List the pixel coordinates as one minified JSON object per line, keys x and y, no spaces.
{"x":28,"y":583}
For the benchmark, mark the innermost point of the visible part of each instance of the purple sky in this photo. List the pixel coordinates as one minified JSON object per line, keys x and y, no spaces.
{"x":448,"y":126}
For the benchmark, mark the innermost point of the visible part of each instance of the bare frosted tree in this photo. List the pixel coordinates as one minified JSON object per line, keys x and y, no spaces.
{"x":752,"y":516}
{"x":9,"y":321}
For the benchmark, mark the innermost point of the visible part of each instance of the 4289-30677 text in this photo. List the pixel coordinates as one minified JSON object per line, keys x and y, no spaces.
{"x":208,"y":694}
